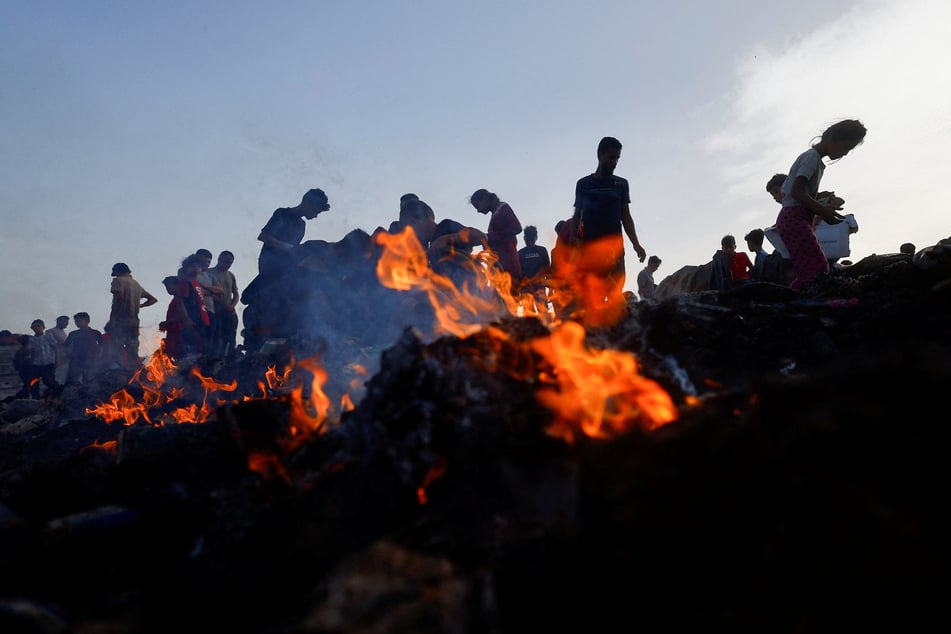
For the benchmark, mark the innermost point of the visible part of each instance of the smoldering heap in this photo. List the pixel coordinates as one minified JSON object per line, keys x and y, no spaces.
{"x":798,"y":489}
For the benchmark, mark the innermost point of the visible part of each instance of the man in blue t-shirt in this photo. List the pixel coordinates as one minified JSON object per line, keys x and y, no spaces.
{"x":602,"y":210}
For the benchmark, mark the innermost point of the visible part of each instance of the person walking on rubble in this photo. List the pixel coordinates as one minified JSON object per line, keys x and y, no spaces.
{"x":503,"y":230}
{"x":601,"y":210}
{"x":128,"y":297}
{"x":802,"y":201}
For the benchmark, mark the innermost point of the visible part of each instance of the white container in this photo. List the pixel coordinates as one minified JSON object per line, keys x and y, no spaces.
{"x":834,"y":239}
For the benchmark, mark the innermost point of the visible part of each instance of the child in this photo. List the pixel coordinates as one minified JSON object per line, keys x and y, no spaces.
{"x":45,"y":359}
{"x":754,"y":244}
{"x":800,"y":205}
{"x":174,"y":324}
{"x":740,"y":264}
{"x":23,"y":364}
{"x":775,"y":187}
{"x":84,"y":348}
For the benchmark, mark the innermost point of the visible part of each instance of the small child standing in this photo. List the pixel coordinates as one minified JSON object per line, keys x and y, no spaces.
{"x":45,"y":356}
{"x":800,"y":205}
{"x":740,"y":264}
{"x":84,"y":348}
{"x":754,"y":244}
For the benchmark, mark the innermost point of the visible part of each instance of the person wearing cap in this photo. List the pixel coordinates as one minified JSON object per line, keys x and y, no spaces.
{"x":128,"y":297}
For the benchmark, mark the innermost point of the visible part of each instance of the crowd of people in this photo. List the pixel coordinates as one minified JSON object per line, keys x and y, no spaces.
{"x":200,"y":320}
{"x":583,"y":276}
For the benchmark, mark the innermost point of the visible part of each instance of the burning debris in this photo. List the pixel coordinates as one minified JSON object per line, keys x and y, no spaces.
{"x":750,"y":458}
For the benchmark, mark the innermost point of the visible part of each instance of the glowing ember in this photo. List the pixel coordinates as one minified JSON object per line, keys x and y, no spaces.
{"x":436,"y":471}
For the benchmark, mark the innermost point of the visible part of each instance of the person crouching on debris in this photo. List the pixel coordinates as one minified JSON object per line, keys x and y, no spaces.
{"x":448,"y":244}
{"x":801,"y":202}
{"x":503,"y":230}
{"x":285,"y":230}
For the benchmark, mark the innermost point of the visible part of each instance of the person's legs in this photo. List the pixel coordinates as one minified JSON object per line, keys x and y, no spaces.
{"x":26,"y":376}
{"x":48,"y":376}
{"x":229,"y":332}
{"x":602,"y":268}
{"x":794,"y":225}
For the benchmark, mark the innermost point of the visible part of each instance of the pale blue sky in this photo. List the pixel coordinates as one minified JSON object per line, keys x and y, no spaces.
{"x":140,"y":132}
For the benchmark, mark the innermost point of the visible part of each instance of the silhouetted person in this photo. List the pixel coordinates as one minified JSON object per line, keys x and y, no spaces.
{"x":602,"y":209}
{"x":284,"y":232}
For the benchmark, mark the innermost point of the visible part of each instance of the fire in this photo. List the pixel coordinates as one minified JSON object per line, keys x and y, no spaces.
{"x":459,"y":311}
{"x":110,"y":446}
{"x":151,"y":379}
{"x":309,"y":410}
{"x":598,"y":392}
{"x":436,"y":471}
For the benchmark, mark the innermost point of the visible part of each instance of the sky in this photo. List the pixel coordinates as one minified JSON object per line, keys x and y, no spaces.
{"x":139,"y":132}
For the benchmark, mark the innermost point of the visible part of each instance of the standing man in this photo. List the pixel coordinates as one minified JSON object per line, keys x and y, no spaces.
{"x":602,"y":209}
{"x":226,"y":319}
{"x":128,"y":297}
{"x":645,"y":279}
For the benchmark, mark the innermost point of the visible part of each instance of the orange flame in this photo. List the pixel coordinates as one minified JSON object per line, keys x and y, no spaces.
{"x":598,"y":392}
{"x":151,"y":378}
{"x":436,"y":471}
{"x":403,"y":266}
{"x":110,"y":446}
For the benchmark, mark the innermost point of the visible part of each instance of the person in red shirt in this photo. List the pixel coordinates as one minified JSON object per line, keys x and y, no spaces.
{"x":740,"y":264}
{"x":503,"y":229}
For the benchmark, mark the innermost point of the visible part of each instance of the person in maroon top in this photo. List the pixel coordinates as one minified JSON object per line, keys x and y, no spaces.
{"x":502,"y":232}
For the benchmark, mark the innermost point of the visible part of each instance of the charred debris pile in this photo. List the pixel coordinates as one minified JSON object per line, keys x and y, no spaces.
{"x":798,"y":489}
